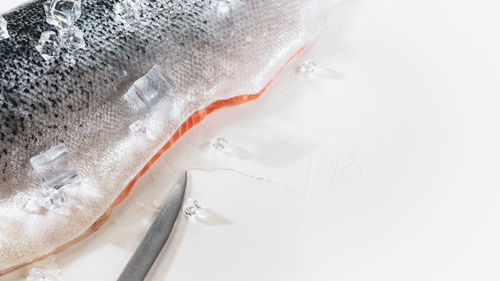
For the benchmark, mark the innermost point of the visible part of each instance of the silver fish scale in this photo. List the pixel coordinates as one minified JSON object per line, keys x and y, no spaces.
{"x":44,"y":104}
{"x":210,"y":53}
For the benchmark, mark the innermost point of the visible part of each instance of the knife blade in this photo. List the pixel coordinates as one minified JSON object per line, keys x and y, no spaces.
{"x":151,"y":245}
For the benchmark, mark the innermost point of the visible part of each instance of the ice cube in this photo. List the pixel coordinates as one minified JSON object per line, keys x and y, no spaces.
{"x":4,"y":32}
{"x":63,"y":13}
{"x":149,"y":90}
{"x":72,"y":38}
{"x":28,"y":203}
{"x":220,"y":143}
{"x":56,"y":200}
{"x":38,"y":274}
{"x":193,"y":209}
{"x":138,"y":128}
{"x":223,"y":7}
{"x":55,"y":168}
{"x":128,"y":12}
{"x":48,"y":45}
{"x":309,"y":67}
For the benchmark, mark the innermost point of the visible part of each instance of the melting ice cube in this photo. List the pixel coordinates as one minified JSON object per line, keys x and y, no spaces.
{"x":128,"y":11}
{"x":149,"y":90}
{"x":139,"y":128}
{"x":37,"y":274}
{"x":55,"y":168}
{"x":223,"y":7}
{"x":27,"y":203}
{"x":48,"y":45}
{"x":4,"y":33}
{"x":220,"y":143}
{"x":72,"y":38}
{"x":309,"y":67}
{"x":193,"y":209}
{"x":312,"y":68}
{"x":63,"y":13}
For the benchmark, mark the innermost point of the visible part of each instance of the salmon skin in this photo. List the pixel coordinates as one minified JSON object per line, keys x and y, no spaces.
{"x":77,"y":130}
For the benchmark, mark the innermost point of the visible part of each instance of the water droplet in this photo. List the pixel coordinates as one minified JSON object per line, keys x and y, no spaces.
{"x":223,"y":7}
{"x":62,"y":13}
{"x":118,"y":70}
{"x":193,"y":209}
{"x":309,"y":67}
{"x":4,"y":32}
{"x":48,"y":45}
{"x":220,"y":143}
{"x":249,"y":39}
{"x":72,"y":38}
{"x":37,"y":274}
{"x":138,"y":128}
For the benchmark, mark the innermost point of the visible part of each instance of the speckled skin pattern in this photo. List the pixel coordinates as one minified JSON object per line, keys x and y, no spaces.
{"x":211,"y":53}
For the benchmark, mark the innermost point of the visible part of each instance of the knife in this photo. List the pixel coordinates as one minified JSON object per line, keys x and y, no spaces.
{"x":150,"y":247}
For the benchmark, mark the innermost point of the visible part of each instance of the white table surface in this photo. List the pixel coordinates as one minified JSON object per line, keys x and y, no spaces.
{"x":384,"y":166}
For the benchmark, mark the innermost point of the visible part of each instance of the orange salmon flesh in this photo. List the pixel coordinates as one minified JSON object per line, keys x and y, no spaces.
{"x":193,"y":120}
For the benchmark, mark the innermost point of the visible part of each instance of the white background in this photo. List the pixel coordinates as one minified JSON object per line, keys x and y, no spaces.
{"x":382,"y":166}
